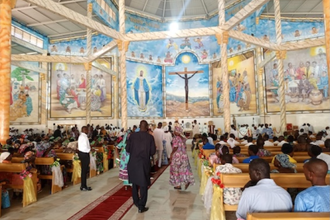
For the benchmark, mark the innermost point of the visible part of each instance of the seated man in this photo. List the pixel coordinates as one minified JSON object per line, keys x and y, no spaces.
{"x":249,"y":141}
{"x":253,"y":150}
{"x":315,"y":151}
{"x":267,"y":142}
{"x":231,"y":141}
{"x":326,"y":146}
{"x":317,"y":197}
{"x":281,"y":141}
{"x":265,"y":196}
{"x":222,"y":140}
{"x":318,"y":140}
{"x":207,"y":145}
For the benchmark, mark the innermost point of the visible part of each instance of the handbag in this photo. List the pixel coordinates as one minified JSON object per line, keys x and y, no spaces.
{"x":5,"y":199}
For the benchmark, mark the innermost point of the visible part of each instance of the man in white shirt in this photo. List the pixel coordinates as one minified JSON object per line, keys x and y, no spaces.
{"x":281,"y":141}
{"x":243,"y":131}
{"x":249,"y":141}
{"x":231,"y":141}
{"x":195,"y":128}
{"x":264,"y":195}
{"x":205,"y":128}
{"x":316,"y":152}
{"x":233,"y":131}
{"x":159,"y":137}
{"x":267,"y":142}
{"x":168,"y":141}
{"x":318,"y":140}
{"x":83,"y":152}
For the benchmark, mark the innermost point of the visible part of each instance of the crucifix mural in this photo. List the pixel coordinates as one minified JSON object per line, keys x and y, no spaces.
{"x":186,"y":80}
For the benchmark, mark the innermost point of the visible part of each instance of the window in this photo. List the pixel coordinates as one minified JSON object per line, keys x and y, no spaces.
{"x":26,"y":36}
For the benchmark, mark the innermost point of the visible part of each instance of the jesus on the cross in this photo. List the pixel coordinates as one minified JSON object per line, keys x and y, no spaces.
{"x":186,"y":79}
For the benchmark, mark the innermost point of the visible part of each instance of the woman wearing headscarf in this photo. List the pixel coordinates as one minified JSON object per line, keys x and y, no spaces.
{"x":180,"y":170}
{"x":283,"y":164}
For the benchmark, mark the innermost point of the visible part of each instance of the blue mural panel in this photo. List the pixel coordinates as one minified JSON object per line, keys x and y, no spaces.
{"x":144,"y":90}
{"x":187,"y":87}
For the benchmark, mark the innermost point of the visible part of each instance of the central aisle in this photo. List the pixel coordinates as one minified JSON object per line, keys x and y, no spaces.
{"x":166,"y":203}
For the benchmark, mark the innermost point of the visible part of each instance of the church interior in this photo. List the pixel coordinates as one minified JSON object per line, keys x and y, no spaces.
{"x":219,"y":67}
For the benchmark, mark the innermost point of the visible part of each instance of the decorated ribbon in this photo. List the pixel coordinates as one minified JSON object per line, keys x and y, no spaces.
{"x":217,"y":211}
{"x":76,"y":173}
{"x":58,"y":176}
{"x":29,"y":194}
{"x":105,"y":162}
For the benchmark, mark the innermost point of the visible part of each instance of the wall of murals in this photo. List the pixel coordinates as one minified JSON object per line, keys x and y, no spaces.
{"x":306,"y":81}
{"x":179,"y":77}
{"x":144,"y":90}
{"x":68,"y":92}
{"x":24,"y":96}
{"x":242,"y":85}
{"x":187,"y":87}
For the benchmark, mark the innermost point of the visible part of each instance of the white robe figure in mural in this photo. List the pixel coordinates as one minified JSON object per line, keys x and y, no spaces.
{"x":141,"y":92}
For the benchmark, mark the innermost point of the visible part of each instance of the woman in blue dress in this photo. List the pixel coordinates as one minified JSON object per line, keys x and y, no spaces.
{"x":123,"y":160}
{"x":29,"y":106}
{"x":232,"y":91}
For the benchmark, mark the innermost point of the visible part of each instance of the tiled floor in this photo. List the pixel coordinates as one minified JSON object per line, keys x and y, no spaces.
{"x":164,"y":202}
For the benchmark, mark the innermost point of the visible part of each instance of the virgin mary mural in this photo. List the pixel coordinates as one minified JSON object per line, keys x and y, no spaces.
{"x":141,"y":91}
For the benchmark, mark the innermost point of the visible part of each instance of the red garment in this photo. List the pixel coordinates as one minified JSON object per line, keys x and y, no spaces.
{"x":83,"y":84}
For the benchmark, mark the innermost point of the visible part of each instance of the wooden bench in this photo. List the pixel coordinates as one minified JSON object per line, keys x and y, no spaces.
{"x":18,"y":168}
{"x":299,"y":159}
{"x":245,"y":167}
{"x":289,"y":215}
{"x":68,"y":157}
{"x":285,"y":180}
{"x":45,"y":161}
{"x":207,"y":153}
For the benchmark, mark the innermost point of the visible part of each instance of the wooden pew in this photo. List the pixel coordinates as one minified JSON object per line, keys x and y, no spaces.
{"x":289,"y":215}
{"x":245,"y":167}
{"x":42,"y":161}
{"x":285,"y":180}
{"x":68,"y":157}
{"x":18,"y":168}
{"x":3,"y":183}
{"x":299,"y":159}
{"x":207,"y":153}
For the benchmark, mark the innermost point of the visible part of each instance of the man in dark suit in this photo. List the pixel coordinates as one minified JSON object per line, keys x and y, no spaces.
{"x":141,"y":146}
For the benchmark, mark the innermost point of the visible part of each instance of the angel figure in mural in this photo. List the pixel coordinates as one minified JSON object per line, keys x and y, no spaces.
{"x":82,"y":50}
{"x":240,"y":27}
{"x":54,"y":49}
{"x":141,"y":91}
{"x":314,"y":30}
{"x":141,"y":56}
{"x":132,"y":54}
{"x":68,"y":49}
{"x":171,"y":43}
{"x":158,"y":60}
{"x":199,"y":42}
{"x":204,"y":54}
{"x":185,"y":43}
{"x":168,"y":57}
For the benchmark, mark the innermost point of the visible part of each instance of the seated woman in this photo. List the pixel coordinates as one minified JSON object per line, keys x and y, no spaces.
{"x":237,"y":152}
{"x":231,"y":195}
{"x":283,"y":164}
{"x":215,"y":157}
{"x":288,"y":150}
{"x":262,"y":152}
{"x":224,"y":150}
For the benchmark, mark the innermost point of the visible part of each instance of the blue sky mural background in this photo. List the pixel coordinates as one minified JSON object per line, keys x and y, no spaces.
{"x":198,"y":84}
{"x":153,"y":75}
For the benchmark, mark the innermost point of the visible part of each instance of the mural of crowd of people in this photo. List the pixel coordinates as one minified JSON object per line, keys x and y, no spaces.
{"x":144,"y":90}
{"x":24,"y":92}
{"x":242,"y":85}
{"x":305,"y":79}
{"x":68,"y":91}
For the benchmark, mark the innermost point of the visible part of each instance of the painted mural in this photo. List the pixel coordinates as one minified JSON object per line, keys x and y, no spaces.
{"x":77,"y":47}
{"x":291,"y":30}
{"x":24,"y":96}
{"x":144,"y":90}
{"x":68,"y":91}
{"x":187,"y":87}
{"x":242,"y":86}
{"x":306,"y":81}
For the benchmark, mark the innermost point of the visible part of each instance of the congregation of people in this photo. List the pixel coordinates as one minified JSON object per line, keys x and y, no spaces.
{"x":166,"y":143}
{"x":264,"y":152}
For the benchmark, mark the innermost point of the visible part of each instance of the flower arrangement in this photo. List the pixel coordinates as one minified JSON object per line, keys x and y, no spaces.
{"x":216,"y":180}
{"x":56,"y":163}
{"x":24,"y":174}
{"x":206,"y":163}
{"x":75,"y":157}
{"x":201,"y":155}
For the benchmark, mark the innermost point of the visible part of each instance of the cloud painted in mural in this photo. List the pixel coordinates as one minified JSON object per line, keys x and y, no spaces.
{"x":195,"y":84}
{"x":144,"y":92}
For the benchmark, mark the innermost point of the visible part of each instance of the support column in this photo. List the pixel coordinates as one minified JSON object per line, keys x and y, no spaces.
{"x":224,"y":69}
{"x":116,"y":89}
{"x":123,"y":46}
{"x":280,"y":55}
{"x":5,"y":69}
{"x":88,"y":67}
{"x":326,"y":10}
{"x":260,"y":73}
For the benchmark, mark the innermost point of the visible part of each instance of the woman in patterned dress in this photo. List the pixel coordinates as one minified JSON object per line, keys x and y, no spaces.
{"x":124,"y":158}
{"x":180,"y":170}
